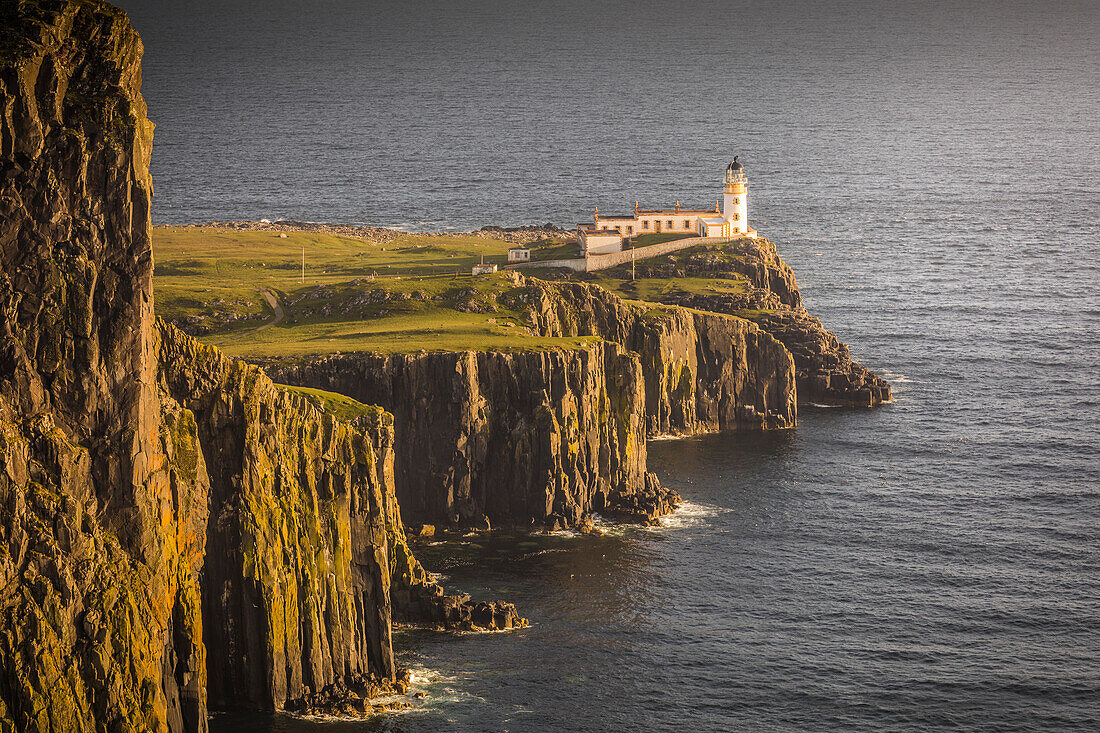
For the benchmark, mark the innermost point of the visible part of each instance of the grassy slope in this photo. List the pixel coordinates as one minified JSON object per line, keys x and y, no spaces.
{"x":414,"y":293}
{"x":655,"y":278}
{"x":338,"y":405}
{"x":424,"y":283}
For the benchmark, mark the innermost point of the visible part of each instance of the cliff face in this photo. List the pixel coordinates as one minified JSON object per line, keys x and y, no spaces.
{"x":100,"y":542}
{"x":702,"y":371}
{"x":824,"y":367}
{"x":295,"y":591}
{"x":167,"y":513}
{"x":547,"y":437}
{"x":533,"y":437}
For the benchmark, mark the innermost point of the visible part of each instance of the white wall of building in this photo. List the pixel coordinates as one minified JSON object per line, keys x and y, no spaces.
{"x":735,"y":208}
{"x":670,"y":223}
{"x":600,"y":243}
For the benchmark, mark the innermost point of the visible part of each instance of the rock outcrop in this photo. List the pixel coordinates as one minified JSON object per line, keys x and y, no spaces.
{"x":545,"y":437}
{"x":295,"y":592}
{"x":824,"y":367}
{"x":176,"y":531}
{"x":702,"y":372}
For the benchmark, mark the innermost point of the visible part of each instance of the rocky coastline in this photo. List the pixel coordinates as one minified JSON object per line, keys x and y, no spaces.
{"x":182,"y":532}
{"x":824,"y":369}
{"x":179,"y":533}
{"x":542,"y":439}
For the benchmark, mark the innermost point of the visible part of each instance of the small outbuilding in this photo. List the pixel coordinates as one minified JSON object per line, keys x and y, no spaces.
{"x":519,"y":254}
{"x":599,"y":241}
{"x":484,"y":268}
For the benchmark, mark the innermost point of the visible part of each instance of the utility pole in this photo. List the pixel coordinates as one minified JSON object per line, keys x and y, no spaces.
{"x":302,"y":280}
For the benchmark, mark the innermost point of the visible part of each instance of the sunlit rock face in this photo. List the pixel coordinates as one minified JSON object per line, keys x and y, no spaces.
{"x":103,"y":534}
{"x":176,"y":530}
{"x":543,"y":438}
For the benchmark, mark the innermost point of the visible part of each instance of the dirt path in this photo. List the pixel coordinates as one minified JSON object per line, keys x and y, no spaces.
{"x":279,"y":315}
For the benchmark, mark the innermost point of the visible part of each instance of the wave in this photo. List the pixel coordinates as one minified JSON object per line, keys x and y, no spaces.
{"x":897,"y":377}
{"x":689,"y":514}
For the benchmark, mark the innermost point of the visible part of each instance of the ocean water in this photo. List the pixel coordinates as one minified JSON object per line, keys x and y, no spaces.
{"x":929,"y":169}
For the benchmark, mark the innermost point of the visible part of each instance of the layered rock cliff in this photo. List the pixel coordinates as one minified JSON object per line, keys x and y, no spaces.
{"x":176,"y":531}
{"x":546,"y":437}
{"x":304,"y":541}
{"x":824,"y":367}
{"x":533,"y":437}
{"x":102,"y":538}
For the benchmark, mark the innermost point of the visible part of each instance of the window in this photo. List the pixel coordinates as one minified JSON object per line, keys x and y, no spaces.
{"x":736,"y":201}
{"x":736,"y":217}
{"x":619,"y":229}
{"x":630,"y":230}
{"x":687,"y":224}
{"x":670,"y":223}
{"x":645,"y":224}
{"x":737,"y":230}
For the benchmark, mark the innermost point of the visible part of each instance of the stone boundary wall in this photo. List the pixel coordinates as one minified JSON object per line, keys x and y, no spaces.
{"x":602,"y":262}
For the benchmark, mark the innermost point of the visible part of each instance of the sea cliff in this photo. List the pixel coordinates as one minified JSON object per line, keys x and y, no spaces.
{"x":825,"y":371}
{"x":546,"y":437}
{"x":177,"y":532}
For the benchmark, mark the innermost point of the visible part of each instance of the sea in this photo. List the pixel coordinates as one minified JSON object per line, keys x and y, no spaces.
{"x":931,"y":171}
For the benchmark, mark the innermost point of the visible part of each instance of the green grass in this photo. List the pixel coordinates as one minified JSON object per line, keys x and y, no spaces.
{"x":434,"y":330}
{"x":413,"y":294}
{"x":337,"y":405}
{"x":656,"y":289}
{"x":653,"y":281}
{"x":555,"y":250}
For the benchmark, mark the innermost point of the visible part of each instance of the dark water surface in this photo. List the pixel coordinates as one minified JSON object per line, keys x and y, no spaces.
{"x":928,"y":169}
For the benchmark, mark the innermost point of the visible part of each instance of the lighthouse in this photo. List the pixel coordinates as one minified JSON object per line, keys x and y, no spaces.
{"x":604,"y":235}
{"x":735,"y":198}
{"x":732,"y":219}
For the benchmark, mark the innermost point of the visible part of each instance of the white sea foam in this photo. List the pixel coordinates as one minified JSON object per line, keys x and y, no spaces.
{"x":689,"y":514}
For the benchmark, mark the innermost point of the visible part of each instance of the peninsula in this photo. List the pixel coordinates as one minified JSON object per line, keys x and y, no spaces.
{"x":207,"y":467}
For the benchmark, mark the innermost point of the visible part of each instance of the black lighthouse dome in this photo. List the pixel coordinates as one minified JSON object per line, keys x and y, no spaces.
{"x":735,"y":167}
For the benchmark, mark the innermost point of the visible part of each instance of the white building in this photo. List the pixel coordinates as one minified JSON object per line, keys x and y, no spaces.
{"x":484,"y":268}
{"x":519,"y":254}
{"x":730,"y":218}
{"x":599,"y":241}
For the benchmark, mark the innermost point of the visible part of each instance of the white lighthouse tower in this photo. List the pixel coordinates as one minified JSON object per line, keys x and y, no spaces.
{"x":733,"y":219}
{"x":735,"y":199}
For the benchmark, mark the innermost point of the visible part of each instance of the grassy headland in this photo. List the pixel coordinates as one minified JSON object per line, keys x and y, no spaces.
{"x":409,"y":293}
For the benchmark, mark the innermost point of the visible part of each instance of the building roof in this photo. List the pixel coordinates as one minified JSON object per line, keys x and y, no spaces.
{"x":647,"y":212}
